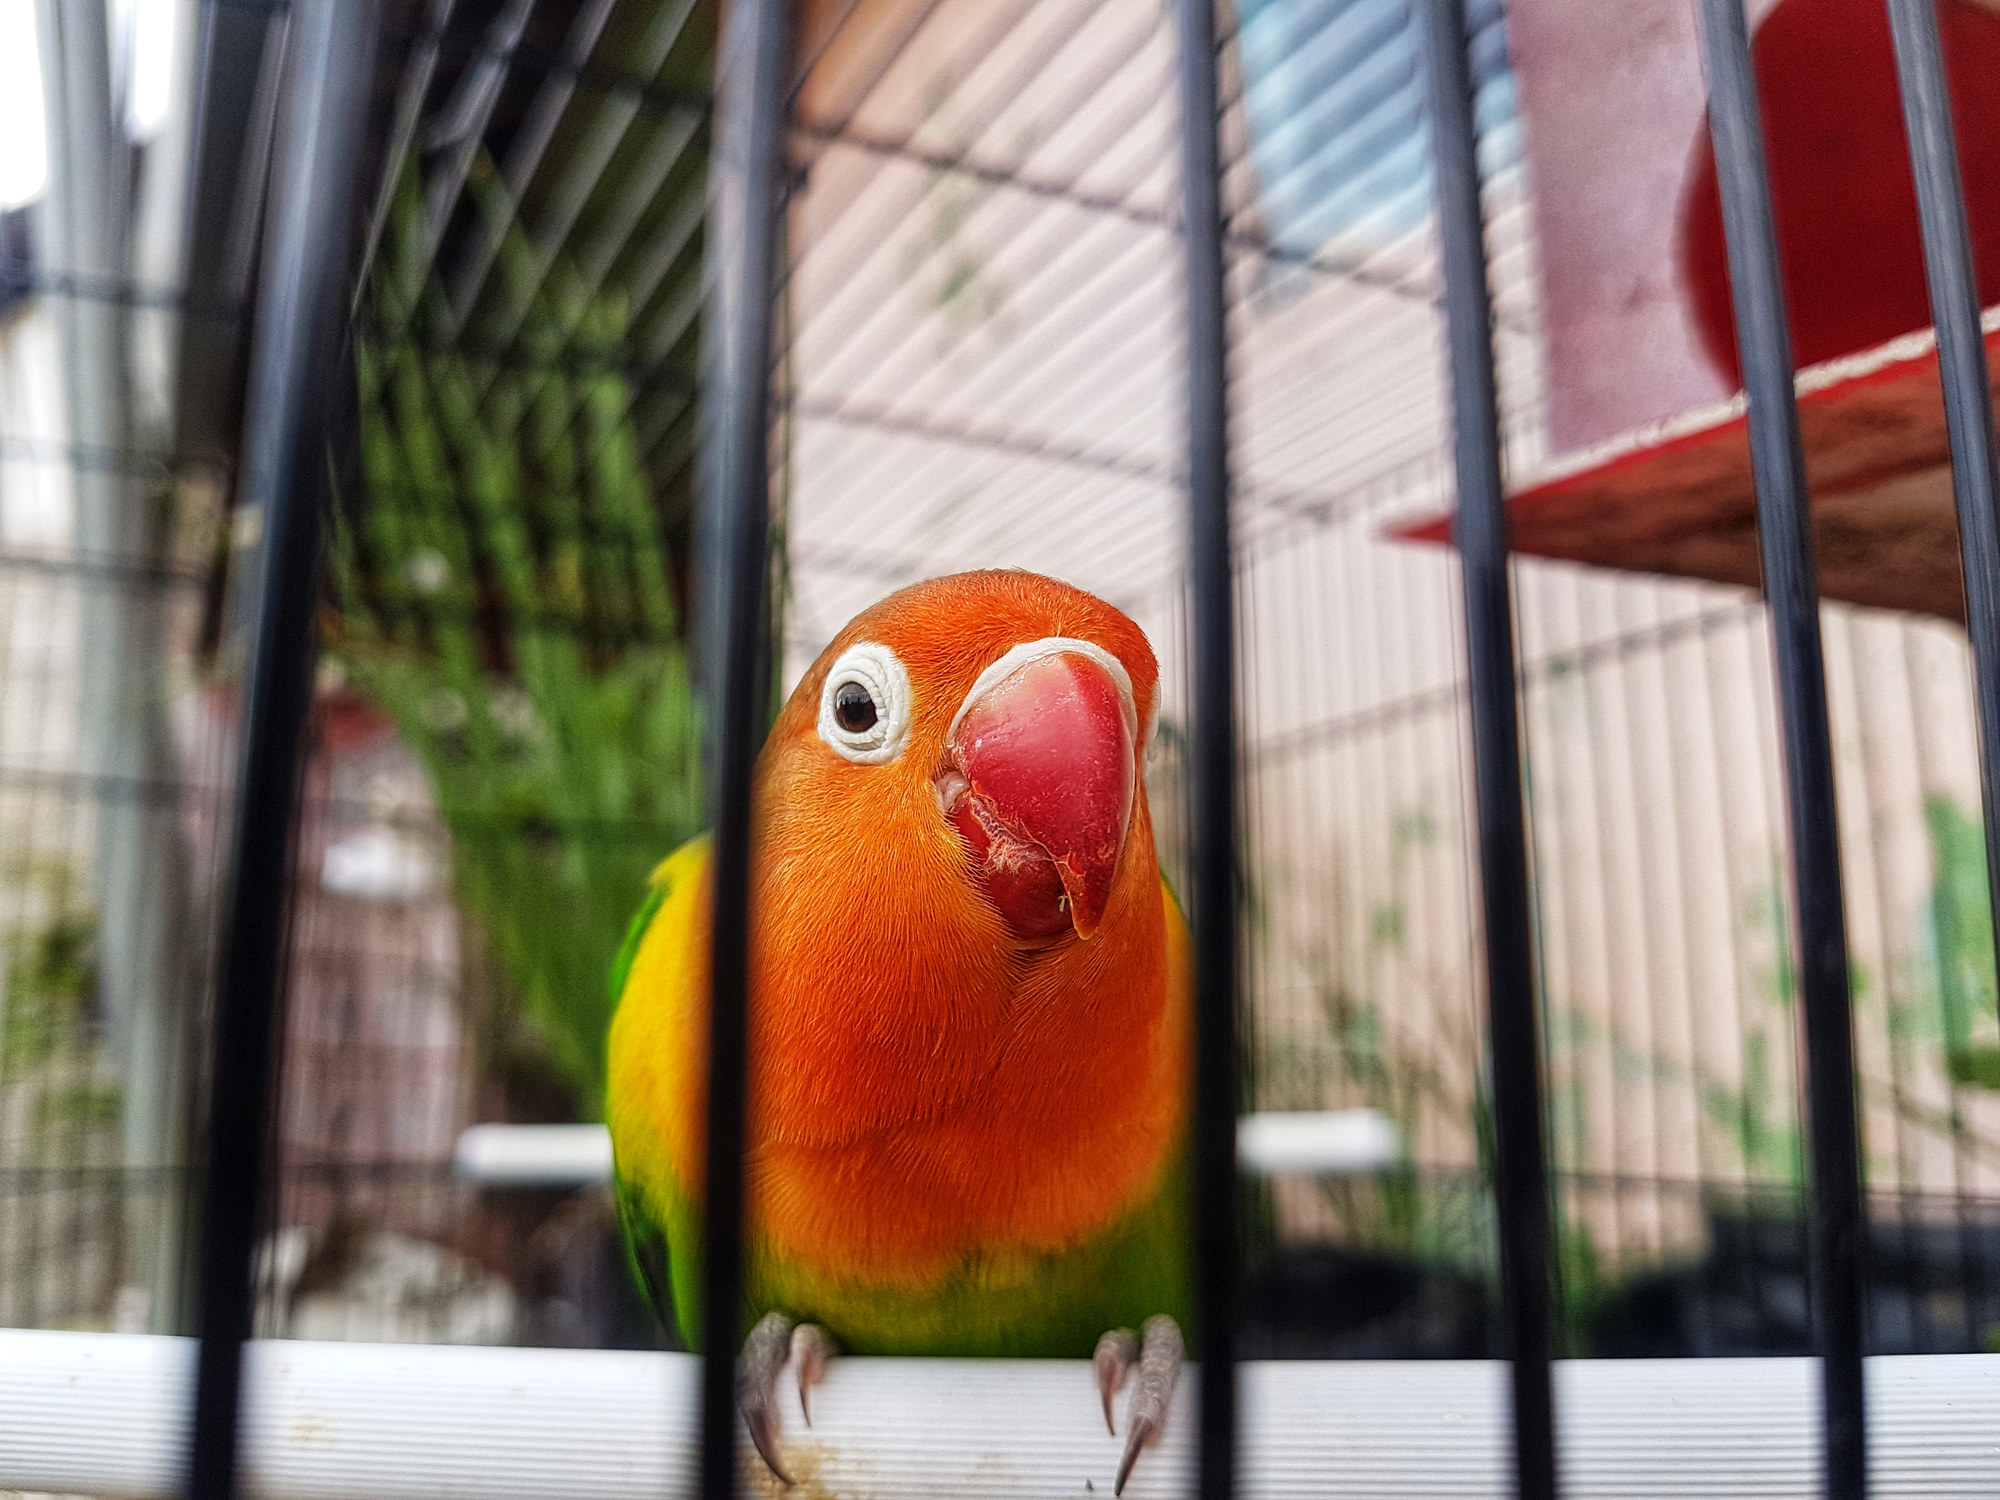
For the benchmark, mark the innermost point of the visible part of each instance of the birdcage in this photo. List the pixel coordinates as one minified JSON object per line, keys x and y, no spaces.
{"x":435,"y":435}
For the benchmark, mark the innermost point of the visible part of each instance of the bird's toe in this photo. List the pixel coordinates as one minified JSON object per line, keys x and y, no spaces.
{"x":812,"y":1347}
{"x":764,"y":1354}
{"x":1162,"y":1351}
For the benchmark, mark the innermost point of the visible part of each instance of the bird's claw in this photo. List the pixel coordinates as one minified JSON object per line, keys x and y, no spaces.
{"x":1116,"y":1353}
{"x":764,"y":1354}
{"x":811,"y":1349}
{"x":774,"y":1340}
{"x":1158,"y":1352}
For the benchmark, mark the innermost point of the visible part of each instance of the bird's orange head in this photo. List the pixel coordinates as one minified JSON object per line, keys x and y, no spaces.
{"x":954,"y":852}
{"x":985,"y":729}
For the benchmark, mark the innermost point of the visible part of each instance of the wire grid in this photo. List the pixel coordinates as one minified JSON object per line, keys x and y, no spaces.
{"x":559,"y":154}
{"x":112,"y":775}
{"x":91,"y":1159}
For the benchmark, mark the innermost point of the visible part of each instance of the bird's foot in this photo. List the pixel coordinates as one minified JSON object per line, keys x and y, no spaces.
{"x":774,"y":1340}
{"x":1158,"y":1352}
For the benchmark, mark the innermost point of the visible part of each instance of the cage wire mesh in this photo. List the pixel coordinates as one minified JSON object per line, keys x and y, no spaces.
{"x":113,"y":761}
{"x":978,"y":366}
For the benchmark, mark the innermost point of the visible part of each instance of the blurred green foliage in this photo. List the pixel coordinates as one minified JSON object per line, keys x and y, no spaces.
{"x":49,"y":966}
{"x":1962,"y":941}
{"x":1757,"y":1110}
{"x":506,"y":585}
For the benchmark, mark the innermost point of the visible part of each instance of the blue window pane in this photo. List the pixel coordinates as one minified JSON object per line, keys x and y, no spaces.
{"x":1336,"y":109}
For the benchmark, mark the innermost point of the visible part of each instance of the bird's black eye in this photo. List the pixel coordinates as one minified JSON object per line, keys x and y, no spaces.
{"x":864,"y":705}
{"x":853,"y":708}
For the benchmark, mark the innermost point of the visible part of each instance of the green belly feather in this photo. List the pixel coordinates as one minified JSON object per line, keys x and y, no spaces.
{"x":1050,"y":1305}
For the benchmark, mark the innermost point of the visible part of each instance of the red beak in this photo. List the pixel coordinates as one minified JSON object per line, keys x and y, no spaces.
{"x":1039,"y":783}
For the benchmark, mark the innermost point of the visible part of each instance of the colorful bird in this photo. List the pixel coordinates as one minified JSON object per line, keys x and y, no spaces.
{"x":968,"y":1012}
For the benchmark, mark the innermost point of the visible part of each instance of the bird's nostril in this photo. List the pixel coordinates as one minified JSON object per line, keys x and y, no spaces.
{"x":951,"y":786}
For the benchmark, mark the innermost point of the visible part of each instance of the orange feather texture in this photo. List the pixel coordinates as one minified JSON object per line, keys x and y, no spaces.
{"x":926,"y":1087}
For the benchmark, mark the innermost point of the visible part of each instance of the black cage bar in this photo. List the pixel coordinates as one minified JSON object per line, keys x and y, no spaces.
{"x":746,"y":199}
{"x":1521,"y":1178}
{"x":1968,"y":388}
{"x":300,"y":329}
{"x":1212,"y":768}
{"x":1838,"y":1228}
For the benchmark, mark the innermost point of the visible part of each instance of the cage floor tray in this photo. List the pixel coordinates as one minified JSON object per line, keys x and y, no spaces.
{"x":1678,"y":499}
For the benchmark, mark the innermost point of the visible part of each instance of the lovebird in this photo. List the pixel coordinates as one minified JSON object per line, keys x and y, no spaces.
{"x":969,"y":1024}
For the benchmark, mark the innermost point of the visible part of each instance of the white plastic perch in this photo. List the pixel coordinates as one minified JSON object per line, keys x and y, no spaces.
{"x":103,"y":1414}
{"x":535,"y":1155}
{"x":1338,"y":1142}
{"x":1328,"y":1143}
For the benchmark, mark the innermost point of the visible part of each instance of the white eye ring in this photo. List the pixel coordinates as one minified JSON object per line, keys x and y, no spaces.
{"x":879,"y":672}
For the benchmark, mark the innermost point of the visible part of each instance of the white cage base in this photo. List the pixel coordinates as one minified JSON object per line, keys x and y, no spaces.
{"x":103,"y":1414}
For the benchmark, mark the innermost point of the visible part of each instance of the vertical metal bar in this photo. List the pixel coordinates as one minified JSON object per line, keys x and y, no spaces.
{"x":1213,"y":874}
{"x":295,"y":367}
{"x":1838,"y":1229}
{"x":1968,"y":389}
{"x":746,"y":199}
{"x":1521,"y":1173}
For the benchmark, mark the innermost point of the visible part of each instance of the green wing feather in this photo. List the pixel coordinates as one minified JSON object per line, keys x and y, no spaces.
{"x":650,"y":1259}
{"x":621,"y":966}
